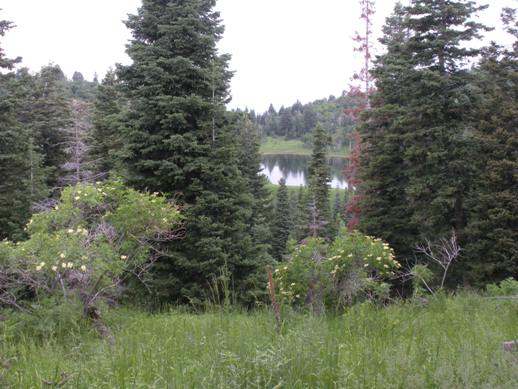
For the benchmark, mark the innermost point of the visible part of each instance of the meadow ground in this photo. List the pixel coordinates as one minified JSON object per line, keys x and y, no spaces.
{"x":446,"y":343}
{"x":274,"y":145}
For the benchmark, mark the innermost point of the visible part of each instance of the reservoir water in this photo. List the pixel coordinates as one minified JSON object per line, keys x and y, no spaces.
{"x":294,"y":168}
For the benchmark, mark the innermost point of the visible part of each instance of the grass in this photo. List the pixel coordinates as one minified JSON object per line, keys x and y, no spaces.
{"x":449,"y":343}
{"x":274,"y":145}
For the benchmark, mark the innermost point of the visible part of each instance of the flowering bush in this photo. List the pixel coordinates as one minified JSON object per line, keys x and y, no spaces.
{"x":93,"y":238}
{"x":351,"y":268}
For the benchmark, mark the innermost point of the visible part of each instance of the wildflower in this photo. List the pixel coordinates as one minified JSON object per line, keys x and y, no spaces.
{"x":276,"y":270}
{"x":42,"y":264}
{"x":124,"y":257}
{"x":70,"y":265}
{"x":63,"y":265}
{"x":385,"y":266}
{"x":378,"y":258}
{"x":285,"y":267}
{"x":83,"y":268}
{"x":56,"y":208}
{"x":297,"y":296}
{"x":292,"y":284}
{"x":366,"y":265}
{"x":70,"y":230}
{"x":54,"y":268}
{"x":77,"y":198}
{"x":38,"y":268}
{"x":350,"y":255}
{"x":62,"y":255}
{"x":79,"y":192}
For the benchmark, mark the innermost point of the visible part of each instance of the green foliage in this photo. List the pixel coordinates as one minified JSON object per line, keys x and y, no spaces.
{"x":352,"y":268}
{"x":422,"y":276}
{"x":96,"y":237}
{"x":179,"y":140}
{"x":282,"y":223}
{"x":319,"y":215}
{"x":507,"y":287}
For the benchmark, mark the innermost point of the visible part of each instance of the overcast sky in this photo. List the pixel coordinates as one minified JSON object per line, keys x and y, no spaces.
{"x":282,"y":50}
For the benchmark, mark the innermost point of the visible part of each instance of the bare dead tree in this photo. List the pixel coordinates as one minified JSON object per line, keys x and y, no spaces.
{"x":78,"y":165}
{"x":443,"y":253}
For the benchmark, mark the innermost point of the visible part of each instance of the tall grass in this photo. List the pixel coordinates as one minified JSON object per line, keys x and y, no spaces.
{"x":448,"y":343}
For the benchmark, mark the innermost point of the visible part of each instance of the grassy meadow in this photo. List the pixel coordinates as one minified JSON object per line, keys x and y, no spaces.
{"x":445,"y":343}
{"x":274,"y":145}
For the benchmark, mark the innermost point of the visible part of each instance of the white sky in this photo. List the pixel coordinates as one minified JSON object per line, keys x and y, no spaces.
{"x":282,"y":50}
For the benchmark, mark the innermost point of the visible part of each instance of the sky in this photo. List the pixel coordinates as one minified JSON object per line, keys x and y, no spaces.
{"x":282,"y":50}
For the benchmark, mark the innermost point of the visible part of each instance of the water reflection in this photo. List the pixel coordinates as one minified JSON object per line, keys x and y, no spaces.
{"x":294,"y":168}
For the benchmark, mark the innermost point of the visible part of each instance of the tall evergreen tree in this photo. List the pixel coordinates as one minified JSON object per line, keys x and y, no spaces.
{"x":422,"y":116}
{"x":178,"y":141}
{"x":319,"y":178}
{"x":20,"y":163}
{"x":52,"y":115}
{"x":492,"y":231}
{"x":107,"y":134}
{"x":281,"y":226}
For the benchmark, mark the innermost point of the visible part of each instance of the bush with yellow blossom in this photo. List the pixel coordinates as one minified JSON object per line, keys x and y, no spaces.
{"x":86,"y":244}
{"x":352,"y":268}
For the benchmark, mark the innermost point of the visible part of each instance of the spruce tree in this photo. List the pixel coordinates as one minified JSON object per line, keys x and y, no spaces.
{"x":107,"y":136}
{"x":20,"y":163}
{"x":249,"y":165}
{"x":178,"y":140}
{"x":491,"y":246}
{"x":319,"y":178}
{"x":281,"y":222}
{"x":385,"y":208}
{"x":418,"y":129}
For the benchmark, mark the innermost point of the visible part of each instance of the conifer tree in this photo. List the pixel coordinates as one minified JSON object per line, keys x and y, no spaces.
{"x":52,"y":116}
{"x":491,"y":248}
{"x":418,"y":168}
{"x":281,"y":222}
{"x":20,"y":163}
{"x":107,"y":137}
{"x":178,"y":140}
{"x":319,"y":178}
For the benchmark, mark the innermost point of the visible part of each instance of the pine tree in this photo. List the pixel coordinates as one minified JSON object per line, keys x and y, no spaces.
{"x":491,"y":248}
{"x":52,"y":116}
{"x":249,"y":165}
{"x":281,"y":222}
{"x":107,"y":135}
{"x":417,"y":168}
{"x":319,"y":178}
{"x":178,"y":141}
{"x":20,"y":163}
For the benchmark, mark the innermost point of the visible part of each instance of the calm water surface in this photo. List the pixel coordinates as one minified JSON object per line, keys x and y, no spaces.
{"x":294,"y":168}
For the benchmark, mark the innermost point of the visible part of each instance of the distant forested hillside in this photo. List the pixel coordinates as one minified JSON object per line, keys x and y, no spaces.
{"x":299,"y":120}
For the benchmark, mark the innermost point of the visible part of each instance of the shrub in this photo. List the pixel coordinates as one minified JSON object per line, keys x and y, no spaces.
{"x":352,"y":268}
{"x":508,"y":287}
{"x":94,"y":238}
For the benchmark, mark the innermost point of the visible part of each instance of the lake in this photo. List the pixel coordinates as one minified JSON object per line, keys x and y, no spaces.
{"x":294,"y":168}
